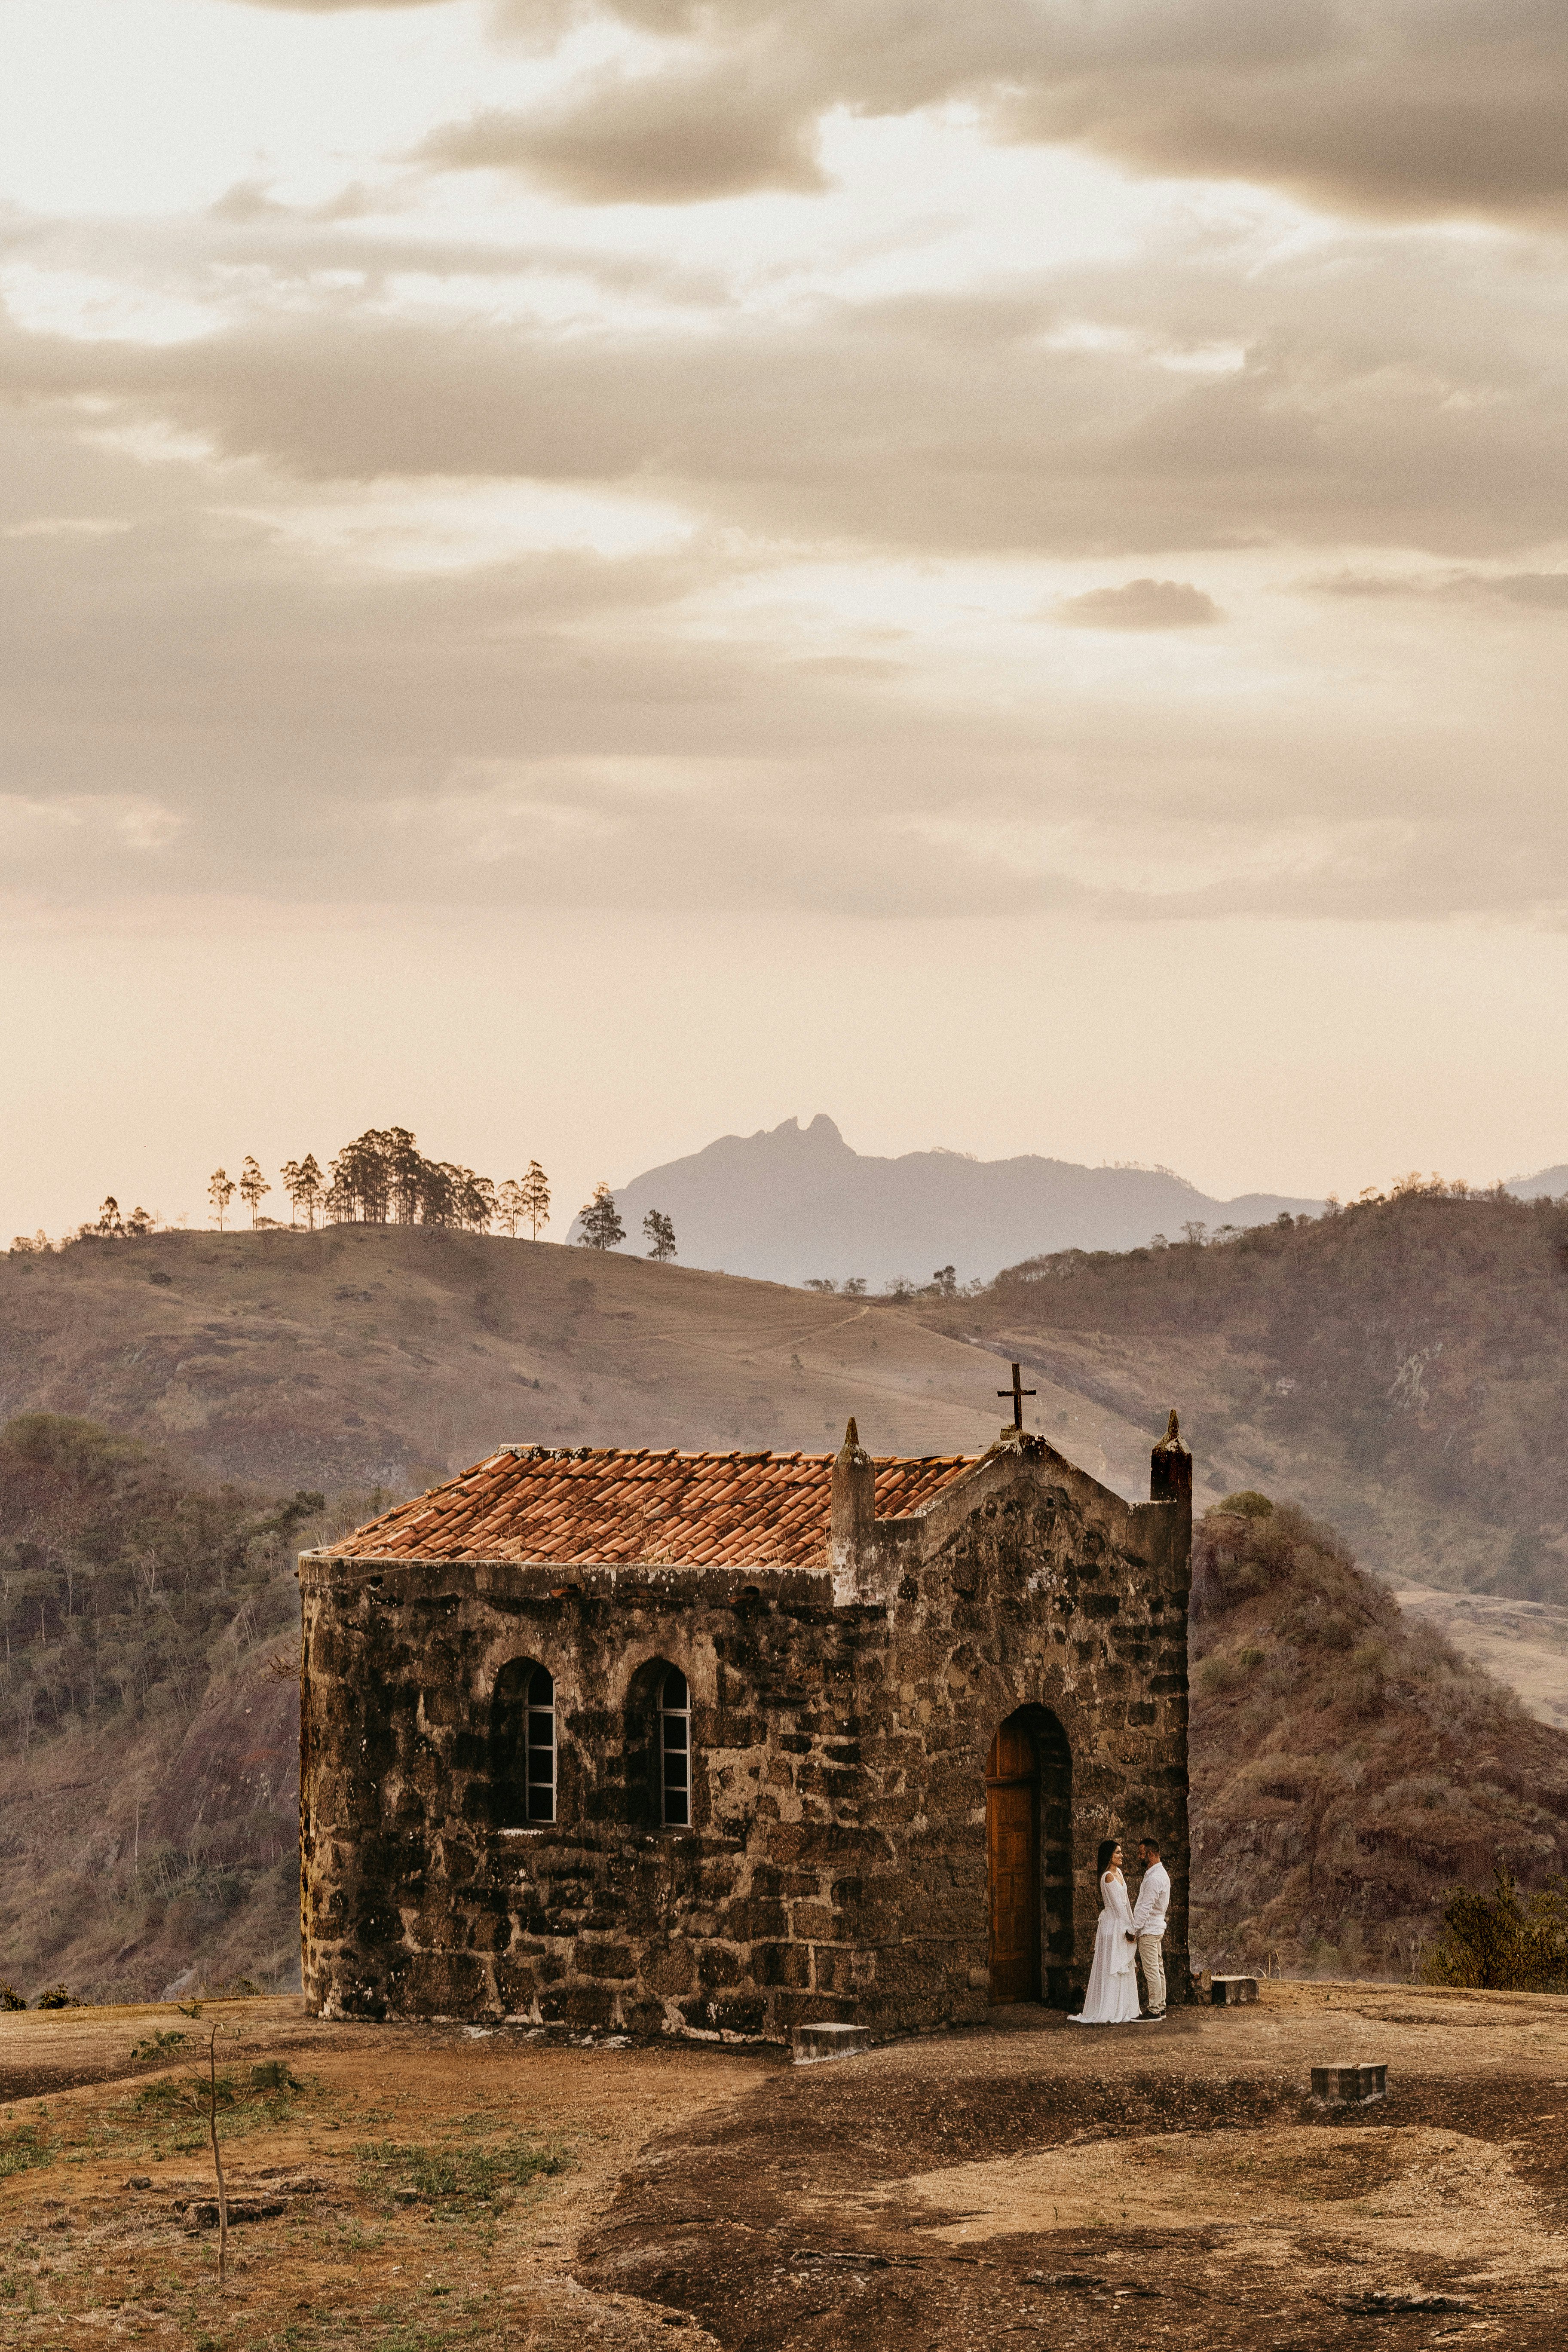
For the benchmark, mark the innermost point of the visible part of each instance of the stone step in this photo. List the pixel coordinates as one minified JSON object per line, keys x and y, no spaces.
{"x":1340,"y":2086}
{"x":812,"y":2043}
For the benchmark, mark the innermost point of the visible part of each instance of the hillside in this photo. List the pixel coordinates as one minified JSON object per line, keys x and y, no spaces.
{"x":386,"y":1356}
{"x":1400,"y":1368}
{"x":150,"y":1732}
{"x":1346,"y":1764}
{"x":789,"y":1203}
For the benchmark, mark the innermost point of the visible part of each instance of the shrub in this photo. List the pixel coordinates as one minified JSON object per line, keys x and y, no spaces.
{"x":156,"y":2045}
{"x":1498,"y":1942}
{"x":59,"y":1996}
{"x":10,"y":1998}
{"x":274,"y":2075}
{"x":1248,"y":1504}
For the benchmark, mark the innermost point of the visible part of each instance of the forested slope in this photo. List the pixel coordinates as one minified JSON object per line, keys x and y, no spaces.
{"x":1347,"y":1764}
{"x":1400,"y":1367}
{"x":148,"y":1745}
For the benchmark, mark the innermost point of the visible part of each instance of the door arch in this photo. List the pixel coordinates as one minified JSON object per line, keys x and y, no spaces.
{"x":1028,"y":1850}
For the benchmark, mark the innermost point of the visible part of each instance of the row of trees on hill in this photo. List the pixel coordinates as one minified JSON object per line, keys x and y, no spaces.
{"x":383,"y":1178}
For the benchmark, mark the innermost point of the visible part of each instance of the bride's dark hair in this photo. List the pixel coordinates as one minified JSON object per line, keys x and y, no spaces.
{"x":1107,"y":1848}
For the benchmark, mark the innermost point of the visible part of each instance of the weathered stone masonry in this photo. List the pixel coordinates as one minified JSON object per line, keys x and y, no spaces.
{"x":842,"y":1713}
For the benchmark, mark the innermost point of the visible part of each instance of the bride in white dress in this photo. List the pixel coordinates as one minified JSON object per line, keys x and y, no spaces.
{"x":1113,"y":1995}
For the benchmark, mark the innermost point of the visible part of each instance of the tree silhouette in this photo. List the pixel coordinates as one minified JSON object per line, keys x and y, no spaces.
{"x":535,"y":1190}
{"x":139,"y":1223}
{"x":302,"y":1182}
{"x":508,"y":1205}
{"x":253,"y":1185}
{"x":109,"y":1218}
{"x":383,"y":1178}
{"x":602,"y":1227}
{"x":220,"y":1193}
{"x":660,"y":1231}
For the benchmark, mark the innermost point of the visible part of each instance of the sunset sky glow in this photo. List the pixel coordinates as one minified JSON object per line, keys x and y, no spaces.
{"x":586,"y":573}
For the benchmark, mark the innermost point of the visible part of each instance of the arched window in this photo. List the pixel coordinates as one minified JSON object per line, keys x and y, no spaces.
{"x":675,"y":1750}
{"x":522,"y":1744}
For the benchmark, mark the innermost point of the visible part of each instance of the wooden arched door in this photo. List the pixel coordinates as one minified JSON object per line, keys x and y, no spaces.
{"x":1013,"y":1859}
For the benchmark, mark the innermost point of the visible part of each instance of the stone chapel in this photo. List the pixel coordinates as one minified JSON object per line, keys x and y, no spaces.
{"x":722,"y":1743}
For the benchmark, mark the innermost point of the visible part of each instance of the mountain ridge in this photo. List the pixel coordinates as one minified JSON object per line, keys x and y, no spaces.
{"x":790,"y":1203}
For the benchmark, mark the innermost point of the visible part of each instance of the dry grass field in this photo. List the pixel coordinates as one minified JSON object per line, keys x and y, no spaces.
{"x":408,"y":2189}
{"x":373,"y":1356}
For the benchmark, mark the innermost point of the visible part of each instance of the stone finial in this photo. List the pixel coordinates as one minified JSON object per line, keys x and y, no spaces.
{"x":852,"y":1515}
{"x":1171,"y":1468}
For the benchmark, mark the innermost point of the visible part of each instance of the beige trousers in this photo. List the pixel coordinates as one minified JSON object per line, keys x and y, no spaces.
{"x":1153,"y":1961}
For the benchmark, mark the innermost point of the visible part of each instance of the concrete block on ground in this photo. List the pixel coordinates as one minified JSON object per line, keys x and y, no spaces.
{"x":1344,"y":2086}
{"x":813,"y":2044}
{"x":1227,"y":1991}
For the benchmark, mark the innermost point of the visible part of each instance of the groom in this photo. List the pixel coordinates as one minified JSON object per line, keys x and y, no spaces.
{"x":1148,"y":1927}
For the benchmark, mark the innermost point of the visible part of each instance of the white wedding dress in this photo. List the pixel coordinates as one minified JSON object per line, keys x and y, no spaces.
{"x":1113,"y":1995}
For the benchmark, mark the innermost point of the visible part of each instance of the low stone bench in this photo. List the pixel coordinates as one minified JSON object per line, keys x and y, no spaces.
{"x":812,"y":2043}
{"x":1349,"y":2086}
{"x":1227,"y":1991}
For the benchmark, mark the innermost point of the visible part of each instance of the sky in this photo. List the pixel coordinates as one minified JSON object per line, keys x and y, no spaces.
{"x":580,"y":575}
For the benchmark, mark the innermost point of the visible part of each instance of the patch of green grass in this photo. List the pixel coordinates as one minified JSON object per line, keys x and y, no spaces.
{"x":451,"y":2176}
{"x":157,"y":2045}
{"x":249,"y":2100}
{"x":23,"y":2151}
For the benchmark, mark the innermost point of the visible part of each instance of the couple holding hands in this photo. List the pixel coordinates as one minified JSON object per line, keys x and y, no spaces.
{"x":1128,"y":1932}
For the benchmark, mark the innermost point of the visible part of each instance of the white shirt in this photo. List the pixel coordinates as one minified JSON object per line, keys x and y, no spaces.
{"x":1153,"y":1901}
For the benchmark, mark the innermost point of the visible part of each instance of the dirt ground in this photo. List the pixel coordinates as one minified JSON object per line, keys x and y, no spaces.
{"x":402,"y":2189}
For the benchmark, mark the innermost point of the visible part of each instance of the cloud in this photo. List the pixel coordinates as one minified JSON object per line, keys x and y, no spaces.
{"x":341,"y":7}
{"x":254,"y":630}
{"x":1140,"y":605}
{"x":665,"y":139}
{"x":1389,"y":107}
{"x":1381,"y":401}
{"x":1548,"y":590}
{"x":1545,"y":590}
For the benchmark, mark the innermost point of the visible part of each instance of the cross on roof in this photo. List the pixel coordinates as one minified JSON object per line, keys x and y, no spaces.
{"x":1017,"y":1393}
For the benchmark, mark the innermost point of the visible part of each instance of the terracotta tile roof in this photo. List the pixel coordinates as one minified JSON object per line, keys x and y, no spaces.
{"x":583,"y":1508}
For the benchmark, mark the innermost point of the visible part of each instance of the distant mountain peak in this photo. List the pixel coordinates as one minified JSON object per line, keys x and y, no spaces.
{"x":791,"y":1203}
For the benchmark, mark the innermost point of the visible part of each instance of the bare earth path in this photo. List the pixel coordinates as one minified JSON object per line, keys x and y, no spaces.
{"x":1029,"y":2184}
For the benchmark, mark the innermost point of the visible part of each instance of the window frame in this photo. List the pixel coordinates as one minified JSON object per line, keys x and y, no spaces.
{"x":533,"y":1713}
{"x":665,"y":1715}
{"x":523,"y":1769}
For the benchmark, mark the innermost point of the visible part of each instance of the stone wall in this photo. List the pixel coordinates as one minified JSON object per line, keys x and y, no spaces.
{"x":836,"y":1863}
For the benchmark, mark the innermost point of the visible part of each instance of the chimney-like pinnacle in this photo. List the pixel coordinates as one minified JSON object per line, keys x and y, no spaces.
{"x":852,"y":1517}
{"x":1171,"y":1468}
